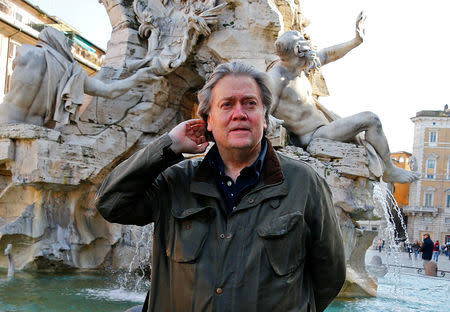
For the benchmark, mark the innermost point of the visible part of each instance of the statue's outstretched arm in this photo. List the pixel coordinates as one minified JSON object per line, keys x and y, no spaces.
{"x":95,"y":87}
{"x":335,"y":52}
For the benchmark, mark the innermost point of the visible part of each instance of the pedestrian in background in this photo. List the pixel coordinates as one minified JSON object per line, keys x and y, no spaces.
{"x":436,"y":251}
{"x":416,"y":248}
{"x":426,"y":249}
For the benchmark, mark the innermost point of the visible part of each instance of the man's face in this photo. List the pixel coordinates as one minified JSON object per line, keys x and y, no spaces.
{"x":236,"y":118}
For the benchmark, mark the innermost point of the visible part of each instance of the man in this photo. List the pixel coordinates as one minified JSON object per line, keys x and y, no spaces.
{"x":426,"y":249}
{"x":305,"y":117}
{"x":48,"y":84}
{"x":244,"y":229}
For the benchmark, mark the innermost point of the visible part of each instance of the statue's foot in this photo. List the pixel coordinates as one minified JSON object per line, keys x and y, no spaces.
{"x":400,"y":175}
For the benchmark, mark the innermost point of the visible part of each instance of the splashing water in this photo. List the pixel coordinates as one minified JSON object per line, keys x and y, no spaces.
{"x":387,"y":202}
{"x":136,"y":277}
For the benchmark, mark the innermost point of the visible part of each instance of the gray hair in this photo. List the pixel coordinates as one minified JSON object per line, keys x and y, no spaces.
{"x":234,"y":69}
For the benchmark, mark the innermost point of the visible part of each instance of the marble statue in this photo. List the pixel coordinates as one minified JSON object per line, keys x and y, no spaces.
{"x":172,"y":28}
{"x":48,"y":84}
{"x":304,"y":117}
{"x":11,"y":268}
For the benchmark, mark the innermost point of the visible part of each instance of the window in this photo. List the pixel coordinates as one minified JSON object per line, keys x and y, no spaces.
{"x":433,"y":136}
{"x":428,"y":200}
{"x":447,"y":220}
{"x":448,"y":169}
{"x":19,"y":17}
{"x":8,"y":83}
{"x":431,"y":168}
{"x":447,"y":201}
{"x":401,"y":159}
{"x":394,"y":158}
{"x":11,"y":50}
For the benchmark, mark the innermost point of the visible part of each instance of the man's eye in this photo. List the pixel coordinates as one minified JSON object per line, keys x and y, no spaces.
{"x":252,"y":103}
{"x":226,"y":104}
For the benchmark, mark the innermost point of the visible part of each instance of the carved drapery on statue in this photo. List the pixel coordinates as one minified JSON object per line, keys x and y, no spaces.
{"x":63,"y":82}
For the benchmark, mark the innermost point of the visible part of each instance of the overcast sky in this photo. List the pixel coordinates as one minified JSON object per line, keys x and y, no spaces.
{"x":401,"y":68}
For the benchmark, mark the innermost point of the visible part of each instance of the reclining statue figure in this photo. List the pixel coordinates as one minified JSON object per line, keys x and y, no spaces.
{"x":305,"y":118}
{"x":48,"y":84}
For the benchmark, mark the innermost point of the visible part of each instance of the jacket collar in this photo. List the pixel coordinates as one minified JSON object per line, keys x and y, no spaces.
{"x":203,"y":180}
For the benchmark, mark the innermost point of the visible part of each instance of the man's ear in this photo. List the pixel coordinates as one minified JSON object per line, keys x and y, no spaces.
{"x":208,"y":124}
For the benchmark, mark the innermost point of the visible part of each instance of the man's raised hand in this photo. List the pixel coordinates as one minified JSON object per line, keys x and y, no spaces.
{"x":189,"y":137}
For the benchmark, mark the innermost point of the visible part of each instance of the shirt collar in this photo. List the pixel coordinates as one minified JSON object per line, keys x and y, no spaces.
{"x":216,"y":162}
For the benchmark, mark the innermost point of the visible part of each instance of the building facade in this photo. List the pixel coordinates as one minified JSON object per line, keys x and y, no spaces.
{"x":401,"y":190}
{"x":21,"y":22}
{"x":428,"y":210}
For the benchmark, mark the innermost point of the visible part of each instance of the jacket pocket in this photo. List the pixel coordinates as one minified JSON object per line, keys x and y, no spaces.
{"x":188,"y":230}
{"x":283,"y":239}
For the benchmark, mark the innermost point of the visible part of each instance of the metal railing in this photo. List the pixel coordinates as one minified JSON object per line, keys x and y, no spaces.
{"x":419,"y":270}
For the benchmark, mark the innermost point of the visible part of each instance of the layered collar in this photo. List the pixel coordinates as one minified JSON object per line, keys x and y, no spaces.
{"x":271,"y":168}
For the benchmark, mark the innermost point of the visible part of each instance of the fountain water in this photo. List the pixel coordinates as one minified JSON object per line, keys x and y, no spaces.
{"x":386,"y":199}
{"x":11,"y":268}
{"x":136,"y":278}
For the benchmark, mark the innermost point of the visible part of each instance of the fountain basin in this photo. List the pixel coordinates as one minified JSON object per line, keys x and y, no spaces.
{"x":100,"y":293}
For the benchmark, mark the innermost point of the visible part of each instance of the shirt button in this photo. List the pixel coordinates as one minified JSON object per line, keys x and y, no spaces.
{"x":222,"y":235}
{"x":251,"y":200}
{"x":229,"y":183}
{"x":229,"y":236}
{"x":219,"y":290}
{"x":234,"y":208}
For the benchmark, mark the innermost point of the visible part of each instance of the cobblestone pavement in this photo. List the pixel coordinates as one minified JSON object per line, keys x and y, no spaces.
{"x":408,"y":265}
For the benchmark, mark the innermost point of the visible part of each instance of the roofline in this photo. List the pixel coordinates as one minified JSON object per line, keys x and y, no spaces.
{"x":402,"y":152}
{"x":57,"y":20}
{"x":39,"y":9}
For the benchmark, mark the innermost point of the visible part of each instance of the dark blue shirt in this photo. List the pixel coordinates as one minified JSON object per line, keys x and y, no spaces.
{"x":248,"y":177}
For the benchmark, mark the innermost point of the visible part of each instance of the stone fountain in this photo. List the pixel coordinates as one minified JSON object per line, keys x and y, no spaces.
{"x":49,"y":176}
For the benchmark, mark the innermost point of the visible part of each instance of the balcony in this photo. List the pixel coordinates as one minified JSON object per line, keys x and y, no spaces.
{"x":420,"y":210}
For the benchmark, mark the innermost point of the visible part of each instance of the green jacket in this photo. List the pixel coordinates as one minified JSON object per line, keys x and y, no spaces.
{"x":280,"y":250}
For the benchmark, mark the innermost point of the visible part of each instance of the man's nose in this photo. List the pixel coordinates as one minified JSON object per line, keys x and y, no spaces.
{"x":239,"y":112}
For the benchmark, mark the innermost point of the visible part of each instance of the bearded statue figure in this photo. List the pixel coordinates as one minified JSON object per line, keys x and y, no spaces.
{"x":303,"y":115}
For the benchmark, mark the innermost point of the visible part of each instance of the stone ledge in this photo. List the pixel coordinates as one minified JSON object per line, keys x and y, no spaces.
{"x":348,"y":159}
{"x":25,"y":131}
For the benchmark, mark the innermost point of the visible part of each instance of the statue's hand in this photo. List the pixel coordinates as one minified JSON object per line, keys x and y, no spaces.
{"x":360,"y":27}
{"x":199,"y":24}
{"x":146,"y":74}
